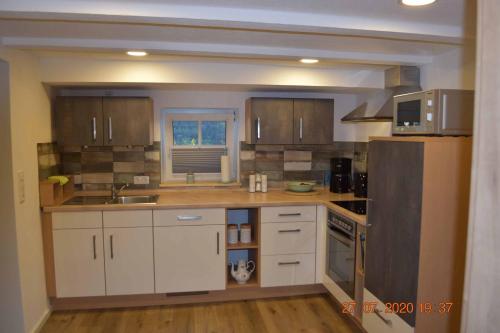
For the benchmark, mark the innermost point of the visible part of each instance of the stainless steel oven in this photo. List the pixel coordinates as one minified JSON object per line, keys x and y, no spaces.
{"x":434,"y":112}
{"x":341,"y":252}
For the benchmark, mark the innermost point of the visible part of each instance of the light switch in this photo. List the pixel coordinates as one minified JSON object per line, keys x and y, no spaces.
{"x":429,"y":116}
{"x":21,"y":187}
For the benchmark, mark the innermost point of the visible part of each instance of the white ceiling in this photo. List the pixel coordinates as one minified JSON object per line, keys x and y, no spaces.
{"x":378,"y":9}
{"x":187,"y":34}
{"x":357,"y":31}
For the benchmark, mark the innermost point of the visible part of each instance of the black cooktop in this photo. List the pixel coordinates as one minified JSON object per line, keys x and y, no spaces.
{"x":355,"y":206}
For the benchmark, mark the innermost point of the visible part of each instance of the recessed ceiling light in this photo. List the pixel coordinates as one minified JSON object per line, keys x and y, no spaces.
{"x":415,"y":3}
{"x":308,"y":61}
{"x":137,"y":53}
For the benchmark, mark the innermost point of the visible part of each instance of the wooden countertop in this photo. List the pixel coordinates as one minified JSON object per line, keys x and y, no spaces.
{"x":416,"y":138}
{"x":224,"y":198}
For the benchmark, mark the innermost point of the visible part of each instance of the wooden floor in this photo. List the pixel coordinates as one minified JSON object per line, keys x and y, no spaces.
{"x":295,"y":314}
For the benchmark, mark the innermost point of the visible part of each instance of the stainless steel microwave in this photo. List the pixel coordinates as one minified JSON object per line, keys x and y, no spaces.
{"x":434,"y":112}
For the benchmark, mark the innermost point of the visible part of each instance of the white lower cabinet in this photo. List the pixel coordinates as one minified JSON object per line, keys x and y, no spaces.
{"x":288,"y":270}
{"x":288,"y":256}
{"x":129,"y":260}
{"x":128,"y":247}
{"x":189,"y":258}
{"x":170,"y":251}
{"x":382,"y":322}
{"x":286,"y":238}
{"x":92,"y":261}
{"x":79,"y":262}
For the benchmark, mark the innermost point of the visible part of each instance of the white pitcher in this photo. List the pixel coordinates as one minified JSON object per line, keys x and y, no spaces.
{"x":243,"y":272}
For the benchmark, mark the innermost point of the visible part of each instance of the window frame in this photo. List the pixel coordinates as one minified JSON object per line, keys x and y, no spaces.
{"x":188,"y":114}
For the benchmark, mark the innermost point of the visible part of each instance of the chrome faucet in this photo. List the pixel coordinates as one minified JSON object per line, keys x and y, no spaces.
{"x":115,"y":192}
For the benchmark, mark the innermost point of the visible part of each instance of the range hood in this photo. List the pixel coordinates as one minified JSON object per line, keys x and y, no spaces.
{"x":379,"y":106}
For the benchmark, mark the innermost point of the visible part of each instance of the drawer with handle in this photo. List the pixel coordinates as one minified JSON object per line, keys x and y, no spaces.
{"x":376,"y":319}
{"x":127,"y":219}
{"x":76,"y":220}
{"x":288,"y":214}
{"x":178,"y":217}
{"x":288,"y":238}
{"x":287,"y":270}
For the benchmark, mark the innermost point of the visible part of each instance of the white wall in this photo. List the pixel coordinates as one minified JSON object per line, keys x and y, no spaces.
{"x":481,"y":302}
{"x":451,"y":70}
{"x":11,"y":308}
{"x":30,"y":120}
{"x":104,"y":71}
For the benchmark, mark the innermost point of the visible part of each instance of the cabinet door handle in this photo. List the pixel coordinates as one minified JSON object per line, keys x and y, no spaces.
{"x":379,"y":314}
{"x":289,"y":214}
{"x":445,"y":109}
{"x":93,"y":246}
{"x":258,"y":128}
{"x":110,"y":129}
{"x":290,"y":230}
{"x":111,"y":246}
{"x":281,"y":263}
{"x":188,"y":217}
{"x":369,"y":203}
{"x":94,"y":129}
{"x":218,"y":243}
{"x":301,"y":123}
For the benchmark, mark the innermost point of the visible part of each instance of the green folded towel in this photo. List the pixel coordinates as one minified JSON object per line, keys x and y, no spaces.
{"x":61,"y":179}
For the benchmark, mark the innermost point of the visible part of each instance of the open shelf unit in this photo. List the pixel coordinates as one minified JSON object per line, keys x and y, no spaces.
{"x":242,"y":246}
{"x":246,"y":251}
{"x":254,"y":278}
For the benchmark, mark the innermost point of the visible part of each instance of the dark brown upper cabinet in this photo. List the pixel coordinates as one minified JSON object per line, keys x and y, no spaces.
{"x":312,"y":121}
{"x":128,"y":121}
{"x":79,"y":121}
{"x":104,"y":121}
{"x":289,"y":121}
{"x":269,"y":120}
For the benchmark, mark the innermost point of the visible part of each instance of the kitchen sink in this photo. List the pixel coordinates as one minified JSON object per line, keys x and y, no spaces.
{"x":87,"y":200}
{"x":134,"y":199}
{"x":121,"y":200}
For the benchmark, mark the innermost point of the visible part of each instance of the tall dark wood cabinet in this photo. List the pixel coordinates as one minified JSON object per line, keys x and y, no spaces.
{"x":395,"y":206}
{"x":312,"y":121}
{"x":79,"y":121}
{"x":416,"y":232}
{"x":289,"y":121}
{"x":104,"y":121}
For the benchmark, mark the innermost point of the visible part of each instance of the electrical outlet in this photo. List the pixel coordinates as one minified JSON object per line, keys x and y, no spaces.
{"x":141,"y":180}
{"x":21,"y":192}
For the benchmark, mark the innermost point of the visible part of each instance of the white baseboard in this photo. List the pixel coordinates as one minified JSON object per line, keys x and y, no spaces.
{"x":43,"y":319}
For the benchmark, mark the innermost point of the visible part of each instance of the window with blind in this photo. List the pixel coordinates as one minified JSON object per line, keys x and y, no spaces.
{"x":194,"y":141}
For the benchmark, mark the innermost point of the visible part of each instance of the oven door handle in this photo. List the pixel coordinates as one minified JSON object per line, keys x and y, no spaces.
{"x":342,"y":239}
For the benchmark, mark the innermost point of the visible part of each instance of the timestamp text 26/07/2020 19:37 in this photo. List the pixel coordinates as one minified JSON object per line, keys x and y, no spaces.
{"x":400,"y":308}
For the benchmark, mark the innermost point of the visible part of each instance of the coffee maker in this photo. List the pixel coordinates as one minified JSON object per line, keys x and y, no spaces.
{"x":341,"y":175}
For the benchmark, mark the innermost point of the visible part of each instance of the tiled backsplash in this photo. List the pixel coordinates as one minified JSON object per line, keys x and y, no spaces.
{"x":97,"y":168}
{"x":293,"y":162}
{"x":49,"y":160}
